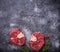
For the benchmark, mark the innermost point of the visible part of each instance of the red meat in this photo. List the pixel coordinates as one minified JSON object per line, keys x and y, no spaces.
{"x":17,"y":37}
{"x":37,"y":41}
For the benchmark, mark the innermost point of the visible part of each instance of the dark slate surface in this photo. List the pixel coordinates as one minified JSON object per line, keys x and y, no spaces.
{"x":30,"y":16}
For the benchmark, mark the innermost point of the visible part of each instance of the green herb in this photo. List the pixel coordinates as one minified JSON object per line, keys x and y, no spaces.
{"x":24,"y":49}
{"x":46,"y":47}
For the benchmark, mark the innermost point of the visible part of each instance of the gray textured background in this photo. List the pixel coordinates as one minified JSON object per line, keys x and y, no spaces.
{"x":30,"y":16}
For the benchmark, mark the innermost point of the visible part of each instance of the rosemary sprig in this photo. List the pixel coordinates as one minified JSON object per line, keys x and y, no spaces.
{"x":24,"y":49}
